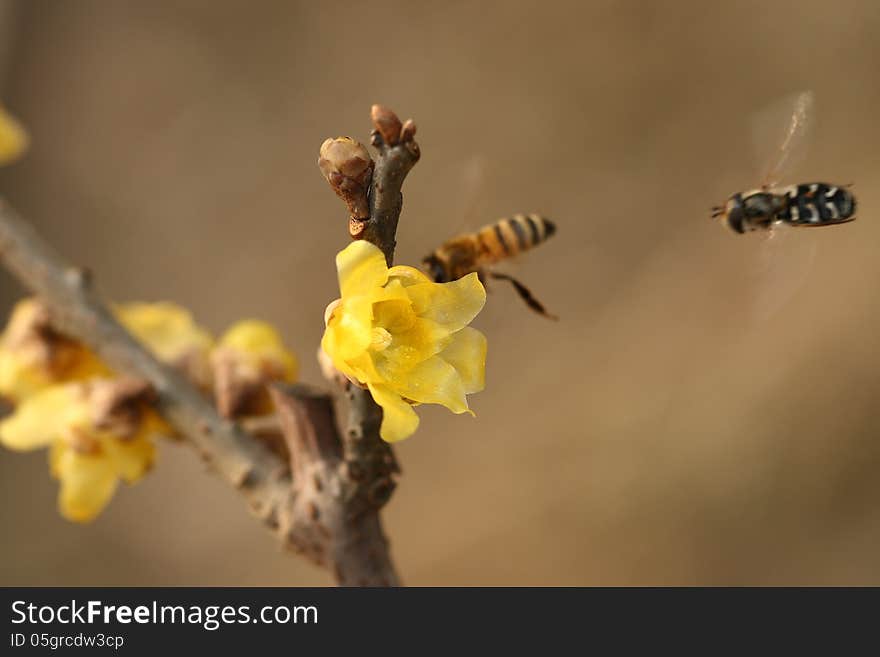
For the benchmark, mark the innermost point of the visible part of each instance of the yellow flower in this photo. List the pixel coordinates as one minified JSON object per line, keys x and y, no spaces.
{"x":14,"y":138}
{"x":33,"y":355}
{"x":91,"y":444}
{"x":249,"y":355}
{"x":405,"y":337}
{"x":170,"y":332}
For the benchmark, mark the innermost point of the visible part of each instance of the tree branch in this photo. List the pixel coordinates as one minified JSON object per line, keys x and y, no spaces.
{"x":398,"y":153}
{"x":342,"y":533}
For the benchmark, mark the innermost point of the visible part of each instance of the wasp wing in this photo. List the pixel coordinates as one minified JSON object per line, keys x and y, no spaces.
{"x":781,"y":135}
{"x":781,"y":265}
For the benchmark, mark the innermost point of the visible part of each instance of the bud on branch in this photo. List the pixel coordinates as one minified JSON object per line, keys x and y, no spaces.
{"x":348,"y":167}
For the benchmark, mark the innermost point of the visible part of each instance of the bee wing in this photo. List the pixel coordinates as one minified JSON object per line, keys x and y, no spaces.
{"x":781,"y":135}
{"x":473,"y":183}
{"x":783,"y":262}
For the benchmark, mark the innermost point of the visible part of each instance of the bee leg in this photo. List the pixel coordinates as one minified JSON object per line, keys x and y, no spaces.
{"x":525,"y":294}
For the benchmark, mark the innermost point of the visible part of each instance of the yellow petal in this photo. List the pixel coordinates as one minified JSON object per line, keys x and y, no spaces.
{"x":88,"y":482}
{"x":407,"y":275}
{"x":21,"y":321}
{"x":363,"y":368}
{"x":43,"y":418}
{"x":399,"y":420}
{"x":130,"y":459}
{"x":434,"y":381}
{"x":348,"y":332}
{"x":452,"y":305}
{"x":394,"y":315}
{"x":467,"y":354}
{"x":361,"y":268}
{"x":411,"y":347}
{"x":14,"y":139}
{"x":166,"y":328}
{"x":260,"y":343}
{"x":393,"y":291}
{"x":18,"y":376}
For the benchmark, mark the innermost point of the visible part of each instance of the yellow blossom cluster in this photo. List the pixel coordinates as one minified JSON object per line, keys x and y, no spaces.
{"x":99,"y":427}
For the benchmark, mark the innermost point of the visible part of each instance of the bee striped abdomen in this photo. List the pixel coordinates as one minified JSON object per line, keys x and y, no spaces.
{"x":512,"y":235}
{"x":817,"y":204}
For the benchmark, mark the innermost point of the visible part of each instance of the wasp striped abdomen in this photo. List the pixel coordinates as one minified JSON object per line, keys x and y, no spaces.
{"x":817,"y":204}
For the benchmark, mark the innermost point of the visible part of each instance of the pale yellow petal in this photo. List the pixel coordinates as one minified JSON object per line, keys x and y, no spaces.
{"x":21,"y":321}
{"x":43,"y":418}
{"x":363,"y":368}
{"x":361,"y":268}
{"x":88,"y":482}
{"x":131,"y":459}
{"x":453,"y":305}
{"x":434,"y":381}
{"x":394,"y":315}
{"x":393,"y":290}
{"x":349,"y":329}
{"x":407,"y":275}
{"x":14,"y":138}
{"x":260,"y":343}
{"x":411,"y":347}
{"x":18,"y":377}
{"x":467,"y":354}
{"x":166,"y":328}
{"x":399,"y":420}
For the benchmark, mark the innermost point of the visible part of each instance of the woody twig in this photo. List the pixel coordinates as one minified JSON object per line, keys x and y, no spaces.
{"x":376,"y":186}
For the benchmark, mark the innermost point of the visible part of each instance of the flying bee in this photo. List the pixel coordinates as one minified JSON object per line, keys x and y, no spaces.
{"x":808,"y":204}
{"x":479,"y":251}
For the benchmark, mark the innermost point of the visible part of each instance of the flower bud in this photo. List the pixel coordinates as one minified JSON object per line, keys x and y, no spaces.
{"x":348,"y":167}
{"x":33,"y":355}
{"x":249,"y":356}
{"x":387,"y":124}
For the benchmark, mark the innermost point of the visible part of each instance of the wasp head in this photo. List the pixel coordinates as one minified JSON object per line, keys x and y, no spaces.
{"x":731,"y":213}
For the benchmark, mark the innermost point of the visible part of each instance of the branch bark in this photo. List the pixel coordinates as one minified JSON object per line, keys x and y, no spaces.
{"x":342,"y":532}
{"x":398,"y":153}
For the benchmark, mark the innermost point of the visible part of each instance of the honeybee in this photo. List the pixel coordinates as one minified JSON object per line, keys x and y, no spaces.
{"x":807,"y":204}
{"x":479,"y":251}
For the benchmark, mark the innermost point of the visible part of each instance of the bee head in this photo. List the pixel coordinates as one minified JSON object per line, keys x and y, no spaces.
{"x":435,"y":268}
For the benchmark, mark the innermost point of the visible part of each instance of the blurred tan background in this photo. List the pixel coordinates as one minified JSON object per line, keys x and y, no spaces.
{"x":663,"y":432}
